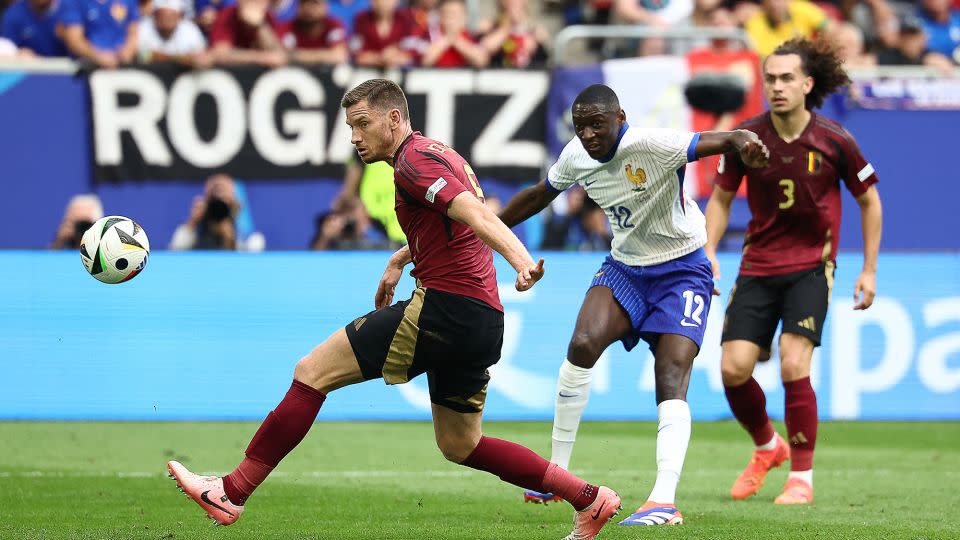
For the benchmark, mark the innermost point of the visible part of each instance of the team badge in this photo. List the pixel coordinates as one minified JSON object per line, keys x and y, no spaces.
{"x":814,"y":162}
{"x":118,"y":11}
{"x":638,"y":178}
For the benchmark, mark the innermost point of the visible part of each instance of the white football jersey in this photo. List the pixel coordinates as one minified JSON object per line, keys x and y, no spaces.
{"x":640,"y":188}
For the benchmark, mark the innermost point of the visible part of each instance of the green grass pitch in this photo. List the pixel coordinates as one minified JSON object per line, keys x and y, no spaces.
{"x":388,"y":481}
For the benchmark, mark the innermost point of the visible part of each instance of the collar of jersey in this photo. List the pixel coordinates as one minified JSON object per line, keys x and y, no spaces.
{"x":404,"y":143}
{"x":616,"y":145}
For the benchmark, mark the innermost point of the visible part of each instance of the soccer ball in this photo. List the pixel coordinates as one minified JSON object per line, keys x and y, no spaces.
{"x":115,"y":249}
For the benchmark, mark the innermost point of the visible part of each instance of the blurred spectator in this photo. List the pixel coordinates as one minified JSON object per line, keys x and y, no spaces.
{"x":146,"y":9}
{"x":385,"y":36}
{"x":849,"y":42}
{"x":81,"y":213}
{"x":31,"y":26}
{"x":247,"y":33}
{"x":8,"y":49}
{"x":942,"y":26}
{"x":212,"y":221}
{"x":576,"y":222}
{"x":912,"y":50}
{"x":284,"y":11}
{"x":451,"y":43}
{"x":493,"y":203}
{"x":781,"y":20}
{"x":102,"y":32}
{"x":318,"y":37}
{"x":206,"y":12}
{"x":373,"y":185}
{"x":660,"y":13}
{"x":167,"y":37}
{"x":876,"y":19}
{"x":346,"y":11}
{"x":425,"y":15}
{"x":512,"y":39}
{"x":348,"y":227}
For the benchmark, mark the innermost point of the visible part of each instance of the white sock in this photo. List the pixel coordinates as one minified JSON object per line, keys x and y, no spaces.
{"x":673,"y":435}
{"x":770,"y":445}
{"x":806,"y":476}
{"x":573,"y":390}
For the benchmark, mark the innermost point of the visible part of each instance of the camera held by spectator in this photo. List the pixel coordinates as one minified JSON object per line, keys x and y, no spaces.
{"x":212,"y":222}
{"x":81,"y":213}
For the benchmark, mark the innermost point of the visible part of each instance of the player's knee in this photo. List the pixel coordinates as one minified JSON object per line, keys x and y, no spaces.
{"x":734,"y":373}
{"x":794,"y":367}
{"x":307,"y":372}
{"x":583,"y":350}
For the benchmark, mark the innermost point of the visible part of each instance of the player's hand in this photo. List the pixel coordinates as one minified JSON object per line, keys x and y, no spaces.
{"x":753,"y":152}
{"x":529,"y":276}
{"x":715,"y":265}
{"x":865,"y":290}
{"x":388,"y":286}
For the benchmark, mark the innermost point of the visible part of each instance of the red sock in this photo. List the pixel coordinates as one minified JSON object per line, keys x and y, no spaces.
{"x":801,"y":419}
{"x":280,"y":433}
{"x":521,"y":467}
{"x":749,"y":406}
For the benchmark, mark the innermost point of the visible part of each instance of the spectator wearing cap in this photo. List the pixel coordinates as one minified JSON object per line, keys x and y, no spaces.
{"x":912,"y":50}
{"x":942,"y":26}
{"x":781,"y":20}
{"x":166,"y":36}
{"x":318,"y":38}
{"x":102,"y":32}
{"x":31,"y":26}
{"x":385,"y":36}
{"x":513,"y":40}
{"x":247,"y":33}
{"x":451,"y":44}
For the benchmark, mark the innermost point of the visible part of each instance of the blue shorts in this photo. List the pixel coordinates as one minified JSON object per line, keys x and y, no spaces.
{"x":668,"y":298}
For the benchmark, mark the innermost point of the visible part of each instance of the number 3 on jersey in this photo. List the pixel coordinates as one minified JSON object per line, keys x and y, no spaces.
{"x":692,"y":309}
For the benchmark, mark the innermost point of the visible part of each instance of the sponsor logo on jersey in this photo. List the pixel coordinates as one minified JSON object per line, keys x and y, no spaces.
{"x":118,"y":11}
{"x":435,"y":188}
{"x":638,"y":178}
{"x":814,"y":162}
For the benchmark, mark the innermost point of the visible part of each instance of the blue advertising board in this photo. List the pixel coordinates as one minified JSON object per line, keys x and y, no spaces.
{"x":211,"y":336}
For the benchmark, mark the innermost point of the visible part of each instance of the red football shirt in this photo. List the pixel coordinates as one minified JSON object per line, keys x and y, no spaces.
{"x":795,"y":200}
{"x":403,"y":33}
{"x":332,"y":33}
{"x":228,"y":28}
{"x":451,"y":57}
{"x":447,"y":255}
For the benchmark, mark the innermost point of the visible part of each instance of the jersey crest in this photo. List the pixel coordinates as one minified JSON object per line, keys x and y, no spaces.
{"x":638,"y":178}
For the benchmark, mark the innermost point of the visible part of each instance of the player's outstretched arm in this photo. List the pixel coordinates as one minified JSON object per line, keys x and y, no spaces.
{"x":391,"y":276}
{"x":750,"y":148}
{"x":527,"y":203}
{"x":718,"y":217}
{"x":871,"y":219}
{"x":468,"y":209}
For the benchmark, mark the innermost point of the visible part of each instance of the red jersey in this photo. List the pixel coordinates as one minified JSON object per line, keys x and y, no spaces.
{"x":228,"y":28}
{"x":451,"y":57}
{"x":447,"y":255}
{"x":403,"y":33}
{"x":795,"y":200}
{"x":332,"y":33}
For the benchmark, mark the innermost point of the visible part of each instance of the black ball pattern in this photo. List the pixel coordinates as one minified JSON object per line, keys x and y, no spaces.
{"x":121,"y":263}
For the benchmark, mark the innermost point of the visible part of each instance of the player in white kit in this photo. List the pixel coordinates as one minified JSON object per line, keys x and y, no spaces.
{"x":655,"y":285}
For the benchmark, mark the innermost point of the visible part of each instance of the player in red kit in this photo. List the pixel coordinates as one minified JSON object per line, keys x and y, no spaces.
{"x":789,"y":254}
{"x":451,"y":328}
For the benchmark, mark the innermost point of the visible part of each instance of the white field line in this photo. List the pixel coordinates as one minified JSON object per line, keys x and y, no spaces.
{"x":385,"y":474}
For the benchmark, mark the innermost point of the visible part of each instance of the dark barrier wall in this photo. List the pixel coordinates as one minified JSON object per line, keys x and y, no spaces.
{"x":46,"y":156}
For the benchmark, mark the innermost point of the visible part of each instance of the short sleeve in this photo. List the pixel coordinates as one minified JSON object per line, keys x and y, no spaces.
{"x":70,"y":15}
{"x":858,"y":173}
{"x":674,"y":148}
{"x":194,"y":41}
{"x":729,"y":172}
{"x":336,"y":34}
{"x":428,"y":180}
{"x":222,"y":31}
{"x":562,"y":175}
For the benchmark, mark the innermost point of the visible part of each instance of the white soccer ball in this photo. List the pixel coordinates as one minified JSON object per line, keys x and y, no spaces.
{"x":115,"y":249}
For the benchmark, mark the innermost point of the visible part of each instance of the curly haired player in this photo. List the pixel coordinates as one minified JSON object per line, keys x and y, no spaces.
{"x":789,"y":254}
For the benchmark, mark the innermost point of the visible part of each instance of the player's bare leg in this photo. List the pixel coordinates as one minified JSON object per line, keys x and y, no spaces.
{"x":749,"y":405}
{"x":796,"y":354}
{"x":460,"y":439}
{"x":673,"y":361}
{"x":601,"y":322}
{"x":330,"y":366}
